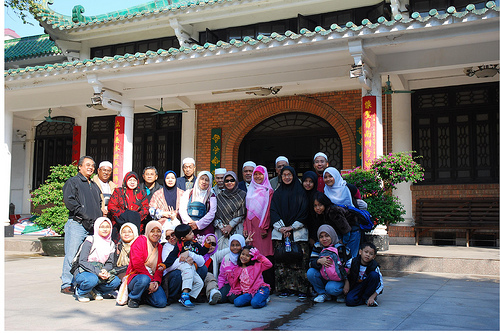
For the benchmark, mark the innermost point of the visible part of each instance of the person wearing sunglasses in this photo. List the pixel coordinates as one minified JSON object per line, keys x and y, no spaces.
{"x":231,"y":210}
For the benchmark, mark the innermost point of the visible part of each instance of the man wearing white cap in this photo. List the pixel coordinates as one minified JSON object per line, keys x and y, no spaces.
{"x":320,"y":163}
{"x":248,"y":167}
{"x":186,"y":182}
{"x":103,"y":180}
{"x":281,"y":161}
{"x":219,"y":178}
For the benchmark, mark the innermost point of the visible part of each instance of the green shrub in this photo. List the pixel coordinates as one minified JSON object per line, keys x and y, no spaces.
{"x":50,"y":194}
{"x":376,"y":185}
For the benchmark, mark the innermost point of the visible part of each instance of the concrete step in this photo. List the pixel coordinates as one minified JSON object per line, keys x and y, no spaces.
{"x":399,"y":258}
{"x":441,"y":259}
{"x":23,"y":243}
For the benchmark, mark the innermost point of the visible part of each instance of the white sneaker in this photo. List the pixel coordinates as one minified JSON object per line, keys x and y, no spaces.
{"x":82,"y":298}
{"x":215,"y":296}
{"x":341,"y":299}
{"x":98,"y":296}
{"x":322,"y":298}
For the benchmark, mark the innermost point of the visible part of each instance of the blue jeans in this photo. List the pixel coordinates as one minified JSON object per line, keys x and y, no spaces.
{"x":74,"y":235}
{"x":359,"y":293}
{"x":86,"y":281}
{"x":322,"y":286}
{"x":353,"y":242}
{"x":138,"y":289}
{"x":258,"y":301}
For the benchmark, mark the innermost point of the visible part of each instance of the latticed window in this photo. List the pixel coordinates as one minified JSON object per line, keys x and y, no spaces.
{"x":455,"y":129}
{"x":157,"y":142}
{"x":100,"y":138}
{"x":53,"y":146}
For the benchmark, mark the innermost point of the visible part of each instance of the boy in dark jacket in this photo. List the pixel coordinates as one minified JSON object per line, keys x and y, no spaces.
{"x":364,"y":281}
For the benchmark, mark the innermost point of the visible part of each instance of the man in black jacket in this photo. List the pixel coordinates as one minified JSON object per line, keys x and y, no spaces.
{"x":82,"y":197}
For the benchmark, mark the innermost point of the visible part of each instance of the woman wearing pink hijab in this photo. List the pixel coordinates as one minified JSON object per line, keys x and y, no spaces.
{"x":258,"y":221}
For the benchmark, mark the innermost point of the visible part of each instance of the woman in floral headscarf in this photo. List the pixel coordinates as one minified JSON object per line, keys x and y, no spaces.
{"x":230,"y":210}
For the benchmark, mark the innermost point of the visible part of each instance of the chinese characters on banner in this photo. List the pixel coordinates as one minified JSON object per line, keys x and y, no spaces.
{"x":215,"y":150}
{"x":369,"y":119}
{"x":118,"y":145}
{"x":77,"y":138}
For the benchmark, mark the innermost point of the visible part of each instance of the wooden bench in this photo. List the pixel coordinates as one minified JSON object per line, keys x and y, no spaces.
{"x":470,"y":214}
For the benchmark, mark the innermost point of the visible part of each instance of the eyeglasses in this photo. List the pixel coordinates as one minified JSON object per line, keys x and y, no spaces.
{"x":212,"y":243}
{"x":229,"y":180}
{"x":168,"y":237}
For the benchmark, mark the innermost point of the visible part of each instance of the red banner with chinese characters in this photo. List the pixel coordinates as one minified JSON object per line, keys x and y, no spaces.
{"x":77,"y":140}
{"x":118,"y":145}
{"x":369,"y":120}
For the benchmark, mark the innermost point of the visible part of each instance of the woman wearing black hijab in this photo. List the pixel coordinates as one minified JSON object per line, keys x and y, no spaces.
{"x":310,"y":184}
{"x":289,"y":211}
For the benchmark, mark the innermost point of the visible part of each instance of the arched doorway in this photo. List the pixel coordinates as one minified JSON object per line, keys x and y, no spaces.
{"x":296,"y":135}
{"x":53,"y":146}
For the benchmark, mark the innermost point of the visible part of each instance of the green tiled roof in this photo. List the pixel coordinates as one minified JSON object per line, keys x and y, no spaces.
{"x":29,"y":47}
{"x":78,"y":20}
{"x":335,"y":32}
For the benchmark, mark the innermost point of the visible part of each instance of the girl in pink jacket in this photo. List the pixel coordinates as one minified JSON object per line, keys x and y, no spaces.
{"x":246,"y":278}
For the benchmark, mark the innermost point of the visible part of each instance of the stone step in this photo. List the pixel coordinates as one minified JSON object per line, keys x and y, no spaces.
{"x":441,"y":259}
{"x":23,"y":243}
{"x":399,"y":258}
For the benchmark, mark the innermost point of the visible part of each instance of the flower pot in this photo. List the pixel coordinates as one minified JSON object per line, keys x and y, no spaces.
{"x":52,"y":246}
{"x":379,"y":237}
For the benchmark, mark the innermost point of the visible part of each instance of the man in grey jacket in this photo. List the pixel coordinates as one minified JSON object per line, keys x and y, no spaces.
{"x":82,"y":197}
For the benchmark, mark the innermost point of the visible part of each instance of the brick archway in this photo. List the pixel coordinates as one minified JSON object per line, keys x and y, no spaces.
{"x":271,"y":107}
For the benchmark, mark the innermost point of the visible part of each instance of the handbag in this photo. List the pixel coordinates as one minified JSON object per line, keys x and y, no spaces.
{"x":122,"y":297}
{"x":292,"y":257}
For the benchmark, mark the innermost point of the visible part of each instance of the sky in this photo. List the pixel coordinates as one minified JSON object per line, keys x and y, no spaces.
{"x":92,"y":7}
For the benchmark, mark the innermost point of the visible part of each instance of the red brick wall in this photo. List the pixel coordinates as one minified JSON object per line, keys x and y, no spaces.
{"x":237,"y":118}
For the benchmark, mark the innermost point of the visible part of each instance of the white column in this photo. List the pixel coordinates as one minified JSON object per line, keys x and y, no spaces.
{"x":188,"y":135}
{"x":28,"y":168}
{"x":401,"y":141}
{"x":6,"y":122}
{"x":128,"y":112}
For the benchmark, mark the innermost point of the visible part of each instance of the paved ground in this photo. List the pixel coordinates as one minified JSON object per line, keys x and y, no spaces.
{"x":418,"y":301}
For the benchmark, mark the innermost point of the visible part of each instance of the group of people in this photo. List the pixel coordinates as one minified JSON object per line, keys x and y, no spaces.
{"x":235,"y":242}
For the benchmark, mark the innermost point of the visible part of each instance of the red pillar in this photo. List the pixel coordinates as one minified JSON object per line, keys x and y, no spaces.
{"x":77,"y":140}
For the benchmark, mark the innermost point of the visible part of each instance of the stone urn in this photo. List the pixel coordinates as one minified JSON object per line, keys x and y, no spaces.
{"x":379,"y":237}
{"x":53,"y":246}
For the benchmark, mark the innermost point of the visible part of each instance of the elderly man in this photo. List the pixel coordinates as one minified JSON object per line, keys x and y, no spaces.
{"x":248,"y":167}
{"x":219,"y":178}
{"x":82,"y":198}
{"x":281,"y":161}
{"x":320,"y":163}
{"x":187,"y":181}
{"x":103,"y":180}
{"x":150,"y":185}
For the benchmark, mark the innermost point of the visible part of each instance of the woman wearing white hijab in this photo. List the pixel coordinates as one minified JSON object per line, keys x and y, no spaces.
{"x":337,"y":190}
{"x":95,"y":261}
{"x":198,"y":205}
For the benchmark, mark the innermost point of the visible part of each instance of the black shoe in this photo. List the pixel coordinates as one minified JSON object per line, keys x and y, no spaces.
{"x":68,"y":291}
{"x":133,"y":303}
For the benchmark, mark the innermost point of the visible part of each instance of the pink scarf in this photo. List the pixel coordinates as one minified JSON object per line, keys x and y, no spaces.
{"x":258,"y":196}
{"x":101,"y":247}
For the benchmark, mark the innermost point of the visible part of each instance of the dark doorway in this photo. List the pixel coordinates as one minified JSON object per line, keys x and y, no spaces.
{"x":296,"y":135}
{"x":53,"y":146}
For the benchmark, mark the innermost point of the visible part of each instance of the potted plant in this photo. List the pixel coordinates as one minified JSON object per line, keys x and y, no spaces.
{"x":376,"y":184}
{"x":49,"y":198}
